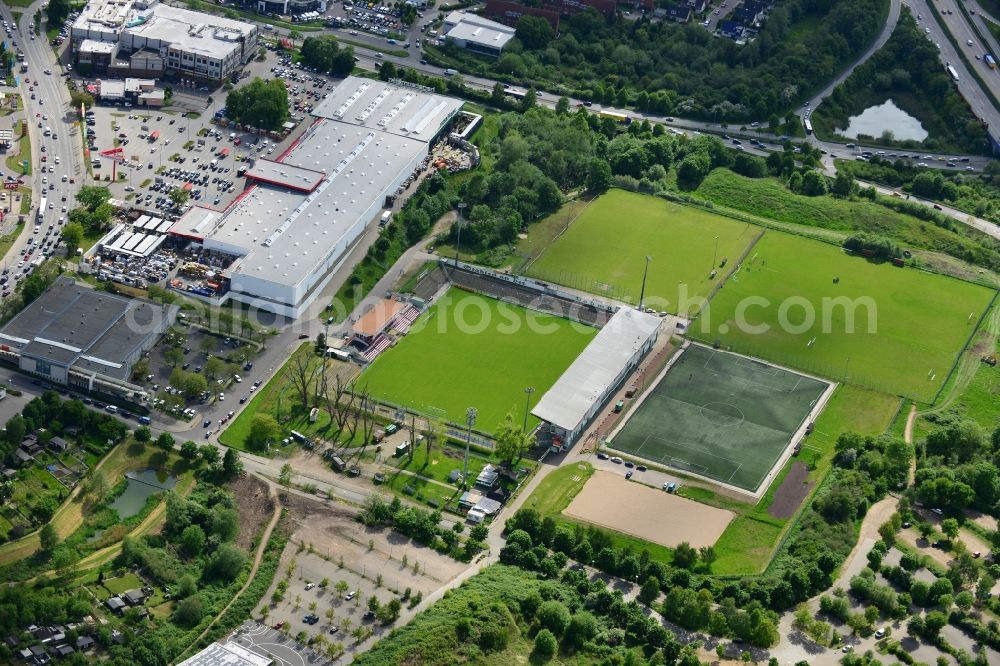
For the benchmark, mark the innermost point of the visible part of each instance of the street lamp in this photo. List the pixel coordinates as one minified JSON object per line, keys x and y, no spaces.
{"x":715,"y":255}
{"x":458,"y":241}
{"x":470,"y":420}
{"x":642,"y":292}
{"x":527,"y":405}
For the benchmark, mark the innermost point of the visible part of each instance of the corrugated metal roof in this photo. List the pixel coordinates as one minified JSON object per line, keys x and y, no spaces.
{"x":588,"y":378}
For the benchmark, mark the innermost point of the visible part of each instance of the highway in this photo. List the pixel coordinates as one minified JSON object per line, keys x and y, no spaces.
{"x":967,"y":85}
{"x":961,"y":28}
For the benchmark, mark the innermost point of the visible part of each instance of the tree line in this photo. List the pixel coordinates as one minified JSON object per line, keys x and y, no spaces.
{"x":617,"y":60}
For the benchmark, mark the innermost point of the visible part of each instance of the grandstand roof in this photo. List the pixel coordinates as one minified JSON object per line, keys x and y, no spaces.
{"x":375,"y":320}
{"x":595,"y":371}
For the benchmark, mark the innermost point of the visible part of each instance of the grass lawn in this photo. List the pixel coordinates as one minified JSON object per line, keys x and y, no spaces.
{"x":908,"y":326}
{"x":473,"y":351}
{"x":769,"y":198}
{"x":603,"y":251}
{"x":122,"y":583}
{"x":748,"y":543}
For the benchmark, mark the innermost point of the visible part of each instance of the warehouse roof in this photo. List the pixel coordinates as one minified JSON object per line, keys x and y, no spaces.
{"x":72,"y":324}
{"x":283,"y":234}
{"x":287,"y":175}
{"x":411,"y":111}
{"x":226,"y":654}
{"x":595,"y":370}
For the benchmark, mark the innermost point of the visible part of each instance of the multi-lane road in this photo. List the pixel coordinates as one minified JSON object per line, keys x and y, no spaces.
{"x":51,"y":108}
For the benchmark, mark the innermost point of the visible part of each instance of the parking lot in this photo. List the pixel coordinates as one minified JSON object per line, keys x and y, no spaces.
{"x":195,"y":348}
{"x":266,"y":641}
{"x":355,"y":559}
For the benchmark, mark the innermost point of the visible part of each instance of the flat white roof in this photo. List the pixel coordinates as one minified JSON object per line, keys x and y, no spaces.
{"x":402,"y":110}
{"x":112,"y":88}
{"x":472,"y":28}
{"x":190,"y":31}
{"x":94,"y":46}
{"x":594,"y":371}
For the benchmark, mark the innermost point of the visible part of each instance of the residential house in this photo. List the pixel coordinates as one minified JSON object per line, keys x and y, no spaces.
{"x":64,"y":650}
{"x":84,"y":643}
{"x":23,"y":457}
{"x":39,"y":655}
{"x":730,"y":29}
{"x":12,"y":641}
{"x":48,"y":634}
{"x":697,"y":6}
{"x":677,"y":13}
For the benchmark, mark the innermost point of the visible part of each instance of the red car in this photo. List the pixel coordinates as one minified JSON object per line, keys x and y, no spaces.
{"x":279,"y":625}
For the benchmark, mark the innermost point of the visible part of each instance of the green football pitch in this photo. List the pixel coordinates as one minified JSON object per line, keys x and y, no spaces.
{"x":469,"y":350}
{"x":811,"y":306}
{"x":604,"y":250}
{"x":720,"y":416}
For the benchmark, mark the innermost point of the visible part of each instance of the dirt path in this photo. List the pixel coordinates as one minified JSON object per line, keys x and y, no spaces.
{"x":878,"y":513}
{"x":256,"y":559}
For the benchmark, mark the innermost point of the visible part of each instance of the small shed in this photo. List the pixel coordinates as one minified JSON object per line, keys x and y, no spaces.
{"x":115,"y":605}
{"x":134,"y":597}
{"x":58,"y":444}
{"x":84,"y":643}
{"x":488,"y":477}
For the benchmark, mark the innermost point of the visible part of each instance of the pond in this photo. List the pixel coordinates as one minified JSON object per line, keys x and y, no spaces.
{"x":141,"y":484}
{"x":875,"y":120}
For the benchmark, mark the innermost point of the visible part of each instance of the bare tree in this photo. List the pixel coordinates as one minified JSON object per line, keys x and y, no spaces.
{"x":301,"y":374}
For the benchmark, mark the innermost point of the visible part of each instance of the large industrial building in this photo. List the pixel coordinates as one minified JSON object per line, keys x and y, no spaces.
{"x":578,"y":395}
{"x":155,"y":37}
{"x":87,"y":339}
{"x":293,"y":227}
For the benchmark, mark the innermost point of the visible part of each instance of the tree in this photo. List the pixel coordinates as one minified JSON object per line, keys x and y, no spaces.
{"x":261,"y":104}
{"x":562,"y":105}
{"x":950,"y":528}
{"x":554,"y":616}
{"x":179,"y":196}
{"x":57,"y":11}
{"x":209,"y":453}
{"x":545,"y":641}
{"x":189,"y":450}
{"x":285,"y":477}
{"x":582,"y":627}
{"x":142,"y":434}
{"x":34,"y":286}
{"x":534,"y":32}
{"x":231,"y":464}
{"x":650,"y":590}
{"x":193,"y":540}
{"x":72,"y":235}
{"x":225,"y":564}
{"x":189,"y":612}
{"x":48,"y":538}
{"x":685,"y":556}
{"x":165,"y":441}
{"x":186,"y":586}
{"x":214,"y":367}
{"x":174,"y":356}
{"x":511,"y":440}
{"x":264,"y":429}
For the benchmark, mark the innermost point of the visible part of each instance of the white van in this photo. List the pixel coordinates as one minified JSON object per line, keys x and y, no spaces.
{"x":386,"y":216}
{"x":48,"y":131}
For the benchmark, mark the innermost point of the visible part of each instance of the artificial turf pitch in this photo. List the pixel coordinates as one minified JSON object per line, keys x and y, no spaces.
{"x":721,"y":416}
{"x":811,"y":306}
{"x":470,"y":350}
{"x":603,"y":251}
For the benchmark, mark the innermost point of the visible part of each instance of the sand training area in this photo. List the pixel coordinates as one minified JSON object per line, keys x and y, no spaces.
{"x":609,"y":500}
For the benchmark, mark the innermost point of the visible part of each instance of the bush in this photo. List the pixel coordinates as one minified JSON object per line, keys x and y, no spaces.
{"x":545,"y":645}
